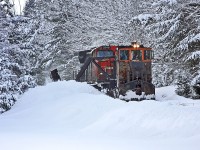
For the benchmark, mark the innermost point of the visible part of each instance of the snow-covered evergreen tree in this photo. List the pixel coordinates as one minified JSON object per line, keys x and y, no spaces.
{"x":14,"y":61}
{"x":172,"y":28}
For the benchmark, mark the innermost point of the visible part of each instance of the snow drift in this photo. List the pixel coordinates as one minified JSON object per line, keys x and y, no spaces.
{"x":71,"y":115}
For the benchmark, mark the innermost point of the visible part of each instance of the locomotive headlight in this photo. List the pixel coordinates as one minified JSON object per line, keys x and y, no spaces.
{"x":135,"y":44}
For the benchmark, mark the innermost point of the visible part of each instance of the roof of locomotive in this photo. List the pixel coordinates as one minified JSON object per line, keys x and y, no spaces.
{"x":105,"y":47}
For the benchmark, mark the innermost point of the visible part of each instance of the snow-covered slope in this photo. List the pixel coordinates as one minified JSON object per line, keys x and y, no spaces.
{"x":74,"y":116}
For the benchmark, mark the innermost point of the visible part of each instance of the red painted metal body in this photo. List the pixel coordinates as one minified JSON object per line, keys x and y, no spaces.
{"x":107,"y":64}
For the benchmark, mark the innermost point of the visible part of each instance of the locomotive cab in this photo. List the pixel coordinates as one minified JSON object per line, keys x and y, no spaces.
{"x":134,"y":72}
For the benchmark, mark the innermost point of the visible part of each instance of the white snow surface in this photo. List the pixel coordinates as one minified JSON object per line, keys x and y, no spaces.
{"x":68,"y":115}
{"x":19,"y":6}
{"x":170,"y":1}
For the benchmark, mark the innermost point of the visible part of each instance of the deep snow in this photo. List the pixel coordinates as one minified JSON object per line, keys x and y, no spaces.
{"x":75,"y":116}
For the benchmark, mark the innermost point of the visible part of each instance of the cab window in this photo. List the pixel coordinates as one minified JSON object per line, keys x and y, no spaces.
{"x":124,"y":55}
{"x":105,"y":53}
{"x":148,"y":55}
{"x":136,"y":55}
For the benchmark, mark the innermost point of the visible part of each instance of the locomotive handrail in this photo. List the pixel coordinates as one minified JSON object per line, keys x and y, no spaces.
{"x":87,"y":63}
{"x":99,"y":67}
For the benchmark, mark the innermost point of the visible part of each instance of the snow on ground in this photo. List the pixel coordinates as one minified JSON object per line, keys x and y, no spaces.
{"x":68,"y":115}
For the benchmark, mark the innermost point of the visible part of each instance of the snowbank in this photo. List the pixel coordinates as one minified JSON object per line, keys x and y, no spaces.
{"x":75,"y":116}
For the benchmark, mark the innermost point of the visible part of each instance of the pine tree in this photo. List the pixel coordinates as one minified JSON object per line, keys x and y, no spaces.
{"x":184,"y":87}
{"x":14,"y":61}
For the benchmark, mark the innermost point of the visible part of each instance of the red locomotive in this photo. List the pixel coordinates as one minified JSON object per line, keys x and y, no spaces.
{"x":120,"y":71}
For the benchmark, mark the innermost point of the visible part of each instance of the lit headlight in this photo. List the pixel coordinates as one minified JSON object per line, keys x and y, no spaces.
{"x":135,"y":44}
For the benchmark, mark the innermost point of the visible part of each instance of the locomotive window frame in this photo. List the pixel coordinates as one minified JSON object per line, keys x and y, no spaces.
{"x":124,"y":55}
{"x":105,"y":53}
{"x":148,"y":54}
{"x":152,"y":54}
{"x":136,"y":55}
